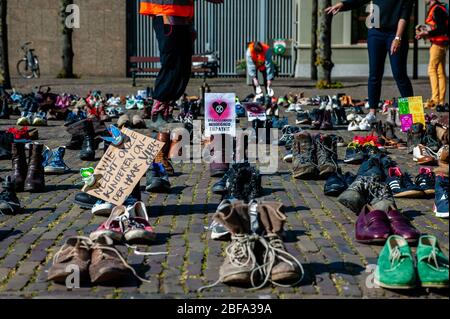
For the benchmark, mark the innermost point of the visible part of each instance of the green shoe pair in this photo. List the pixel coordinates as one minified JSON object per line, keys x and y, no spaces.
{"x":396,"y":265}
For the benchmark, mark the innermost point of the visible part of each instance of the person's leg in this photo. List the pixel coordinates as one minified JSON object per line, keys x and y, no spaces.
{"x":399,"y":63}
{"x":433,"y":73}
{"x":377,"y":58}
{"x":442,"y":74}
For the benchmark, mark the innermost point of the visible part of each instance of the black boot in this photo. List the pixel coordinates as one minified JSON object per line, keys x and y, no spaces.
{"x":88,"y":148}
{"x":4,"y":109}
{"x":75,"y":144}
{"x":9,"y":203}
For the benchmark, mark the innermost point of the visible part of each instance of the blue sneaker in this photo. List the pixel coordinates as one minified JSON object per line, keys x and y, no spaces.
{"x":54,"y":161}
{"x":402,"y":186}
{"x":240,"y":110}
{"x":441,"y":204}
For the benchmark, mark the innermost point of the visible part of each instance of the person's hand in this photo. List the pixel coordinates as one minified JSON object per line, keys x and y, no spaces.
{"x":395,"y":47}
{"x":215,"y":1}
{"x":421,"y":35}
{"x":335,"y":9}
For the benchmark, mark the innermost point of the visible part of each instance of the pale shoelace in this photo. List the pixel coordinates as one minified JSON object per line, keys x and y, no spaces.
{"x":331,"y":154}
{"x":433,"y":257}
{"x":88,"y":244}
{"x":273,"y":248}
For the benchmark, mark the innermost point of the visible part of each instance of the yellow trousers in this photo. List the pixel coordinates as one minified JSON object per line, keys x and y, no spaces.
{"x":437,"y":73}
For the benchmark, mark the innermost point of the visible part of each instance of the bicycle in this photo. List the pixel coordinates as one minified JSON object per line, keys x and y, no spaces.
{"x":28,"y":67}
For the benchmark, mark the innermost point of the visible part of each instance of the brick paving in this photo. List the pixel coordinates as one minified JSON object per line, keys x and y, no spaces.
{"x":320,"y":231}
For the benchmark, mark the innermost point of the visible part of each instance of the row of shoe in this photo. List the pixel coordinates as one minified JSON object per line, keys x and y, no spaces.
{"x":442,"y":108}
{"x":398,"y":269}
{"x":256,"y":254}
{"x":241,"y":182}
{"x":32,"y":119}
{"x":362,"y":148}
{"x":314,"y":156}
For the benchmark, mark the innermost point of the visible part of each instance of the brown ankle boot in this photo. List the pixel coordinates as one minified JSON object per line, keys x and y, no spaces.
{"x":176,"y":149}
{"x":19,"y":166}
{"x":240,"y":262}
{"x":35,"y":181}
{"x":106,"y":265}
{"x":163,"y":156}
{"x":285,"y":269}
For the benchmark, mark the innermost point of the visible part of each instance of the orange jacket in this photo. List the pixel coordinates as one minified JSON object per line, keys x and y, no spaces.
{"x":439,"y":28}
{"x":175,"y":8}
{"x":259,"y":58}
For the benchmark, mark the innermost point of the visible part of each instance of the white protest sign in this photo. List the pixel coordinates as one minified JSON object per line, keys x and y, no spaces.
{"x":220,"y":114}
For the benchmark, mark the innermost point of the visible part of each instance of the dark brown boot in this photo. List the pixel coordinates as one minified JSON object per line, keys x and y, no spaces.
{"x":106,"y":265}
{"x":75,"y":255}
{"x":163,"y":156}
{"x":286,"y":268}
{"x":326,"y":155}
{"x":240,"y":262}
{"x":19,"y":166}
{"x":35,"y":181}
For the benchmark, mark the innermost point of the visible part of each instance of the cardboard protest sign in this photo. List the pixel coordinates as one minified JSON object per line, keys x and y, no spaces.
{"x":220,"y":114}
{"x":411,"y":112}
{"x":255,"y":111}
{"x":122,"y":167}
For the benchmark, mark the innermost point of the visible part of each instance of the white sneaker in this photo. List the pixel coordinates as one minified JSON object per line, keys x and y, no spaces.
{"x":424,"y":155}
{"x":291,"y":108}
{"x":353,"y":126}
{"x":102,"y":208}
{"x":365,"y":125}
{"x":259,"y":90}
{"x":298,"y":108}
{"x":371,"y":118}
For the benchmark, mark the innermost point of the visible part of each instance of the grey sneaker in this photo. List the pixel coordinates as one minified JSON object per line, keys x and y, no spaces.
{"x":382,"y":198}
{"x":357,"y":195}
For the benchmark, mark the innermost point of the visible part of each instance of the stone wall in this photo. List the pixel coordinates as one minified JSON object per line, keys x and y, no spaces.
{"x":99,"y":43}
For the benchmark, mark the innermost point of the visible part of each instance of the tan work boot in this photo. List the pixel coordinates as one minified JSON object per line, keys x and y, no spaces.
{"x":107,"y":265}
{"x":163,"y":156}
{"x":240,"y":262}
{"x":282,"y":266}
{"x":74,"y":255}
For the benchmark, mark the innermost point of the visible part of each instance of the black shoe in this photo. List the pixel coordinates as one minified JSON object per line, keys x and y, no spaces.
{"x":85,"y":201}
{"x":220,"y":188}
{"x":335,"y":185}
{"x":158,"y":180}
{"x":402,"y":185}
{"x":6,"y":141}
{"x":354,"y":154}
{"x":75,"y":144}
{"x":9,"y":203}
{"x":426,"y":180}
{"x":87,"y":152}
{"x":244,"y":182}
{"x":4,"y":109}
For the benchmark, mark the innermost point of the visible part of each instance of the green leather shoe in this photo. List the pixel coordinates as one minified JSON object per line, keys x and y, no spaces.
{"x":432,"y":263}
{"x":396,"y":265}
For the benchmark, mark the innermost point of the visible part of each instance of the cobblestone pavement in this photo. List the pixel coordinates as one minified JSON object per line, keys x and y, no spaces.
{"x":320,"y":232}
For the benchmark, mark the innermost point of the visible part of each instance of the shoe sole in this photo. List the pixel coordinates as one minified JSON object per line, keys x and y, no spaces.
{"x":103,"y":212}
{"x":442,"y":215}
{"x":372,"y":241}
{"x":434,"y":285}
{"x":219,"y":236}
{"x":286,"y":277}
{"x":55,"y":171}
{"x":83,"y":205}
{"x":382,"y":285}
{"x":239,"y":279}
{"x":353,"y":161}
{"x":410,"y":194}
{"x":139,"y":237}
{"x":430,"y":192}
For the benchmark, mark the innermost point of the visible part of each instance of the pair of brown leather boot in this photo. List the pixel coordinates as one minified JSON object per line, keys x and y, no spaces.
{"x":252,"y":259}
{"x":28,"y":175}
{"x":97,"y":262}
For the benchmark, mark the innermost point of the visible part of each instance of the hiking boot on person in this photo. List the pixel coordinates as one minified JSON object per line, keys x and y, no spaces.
{"x":326,"y":155}
{"x":305,"y":161}
{"x":240,"y":261}
{"x":286,"y":269}
{"x":75,"y":254}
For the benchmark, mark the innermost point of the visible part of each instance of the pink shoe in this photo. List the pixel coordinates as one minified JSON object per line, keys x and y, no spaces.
{"x":136,"y":226}
{"x":112,"y":227}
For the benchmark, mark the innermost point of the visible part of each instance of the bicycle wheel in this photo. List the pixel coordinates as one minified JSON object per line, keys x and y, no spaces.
{"x":23,"y":69}
{"x":37,"y":70}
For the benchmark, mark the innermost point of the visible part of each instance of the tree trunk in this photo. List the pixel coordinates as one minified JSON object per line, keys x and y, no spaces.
{"x":324,"y":43}
{"x":314,"y":25}
{"x":67,"y":50}
{"x":5,"y":76}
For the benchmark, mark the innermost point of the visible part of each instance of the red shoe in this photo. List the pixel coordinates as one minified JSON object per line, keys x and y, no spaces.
{"x":112,"y":227}
{"x":137,"y":228}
